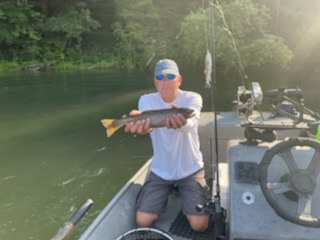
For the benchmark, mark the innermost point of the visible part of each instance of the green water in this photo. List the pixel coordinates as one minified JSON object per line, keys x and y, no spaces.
{"x":53,"y":150}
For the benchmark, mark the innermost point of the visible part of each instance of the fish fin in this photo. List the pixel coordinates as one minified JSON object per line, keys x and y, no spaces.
{"x":123,"y":116}
{"x":108,"y":124}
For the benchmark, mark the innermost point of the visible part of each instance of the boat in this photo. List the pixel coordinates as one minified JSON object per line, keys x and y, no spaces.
{"x":266,"y":184}
{"x":263,"y":169}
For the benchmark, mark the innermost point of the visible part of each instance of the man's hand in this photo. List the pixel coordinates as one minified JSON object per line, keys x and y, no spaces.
{"x":140,"y":127}
{"x":176,"y":121}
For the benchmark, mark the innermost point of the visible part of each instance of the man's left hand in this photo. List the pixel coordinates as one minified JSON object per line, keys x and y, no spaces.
{"x":176,"y":121}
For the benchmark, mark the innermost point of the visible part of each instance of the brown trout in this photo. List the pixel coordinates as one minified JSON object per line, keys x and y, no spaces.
{"x":157,"y":118}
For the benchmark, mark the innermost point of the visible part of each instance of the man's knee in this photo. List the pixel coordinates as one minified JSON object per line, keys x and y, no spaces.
{"x":199,"y":227}
{"x":145,"y":219}
{"x":198,"y":223}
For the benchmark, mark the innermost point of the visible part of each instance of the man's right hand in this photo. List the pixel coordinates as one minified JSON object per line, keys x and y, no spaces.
{"x":140,"y":127}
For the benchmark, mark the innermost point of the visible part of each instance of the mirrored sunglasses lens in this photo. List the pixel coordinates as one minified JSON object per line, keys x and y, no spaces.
{"x":171,"y":76}
{"x":160,"y":77}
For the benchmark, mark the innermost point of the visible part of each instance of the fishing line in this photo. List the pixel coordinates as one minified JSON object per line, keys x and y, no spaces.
{"x":278,"y":3}
{"x":205,"y":26}
{"x":242,"y":72}
{"x":244,"y":77}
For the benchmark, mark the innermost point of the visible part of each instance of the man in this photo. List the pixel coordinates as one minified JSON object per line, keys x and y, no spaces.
{"x":177,"y":159}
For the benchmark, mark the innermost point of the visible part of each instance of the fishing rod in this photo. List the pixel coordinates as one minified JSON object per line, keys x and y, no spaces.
{"x":69,"y":226}
{"x":218,"y":212}
{"x":214,"y":204}
{"x":213,"y":93}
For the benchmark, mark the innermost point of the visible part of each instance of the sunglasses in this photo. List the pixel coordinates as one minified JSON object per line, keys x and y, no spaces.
{"x":169,"y":77}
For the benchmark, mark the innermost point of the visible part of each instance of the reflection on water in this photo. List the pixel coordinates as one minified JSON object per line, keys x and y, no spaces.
{"x":54,"y":152}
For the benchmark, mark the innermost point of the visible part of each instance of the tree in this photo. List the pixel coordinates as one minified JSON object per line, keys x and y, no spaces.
{"x":20,"y":30}
{"x":136,"y":38}
{"x":65,"y":24}
{"x":298,"y":23}
{"x":70,"y":25}
{"x":27,"y":34}
{"x":144,"y":29}
{"x":241,"y":32}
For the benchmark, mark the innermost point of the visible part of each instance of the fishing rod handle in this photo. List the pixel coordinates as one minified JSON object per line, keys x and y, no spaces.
{"x":65,"y":231}
{"x":82,"y":210}
{"x":68,"y":227}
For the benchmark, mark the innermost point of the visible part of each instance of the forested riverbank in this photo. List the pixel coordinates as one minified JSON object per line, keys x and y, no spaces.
{"x":39,"y":35}
{"x":54,"y":150}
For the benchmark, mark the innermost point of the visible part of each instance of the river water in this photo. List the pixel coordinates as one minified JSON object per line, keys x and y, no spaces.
{"x":54,"y":153}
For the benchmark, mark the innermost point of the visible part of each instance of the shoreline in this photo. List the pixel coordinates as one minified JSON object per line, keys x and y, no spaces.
{"x":15,"y":67}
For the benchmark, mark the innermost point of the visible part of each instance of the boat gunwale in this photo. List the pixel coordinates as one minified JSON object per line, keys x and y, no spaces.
{"x":114,"y":201}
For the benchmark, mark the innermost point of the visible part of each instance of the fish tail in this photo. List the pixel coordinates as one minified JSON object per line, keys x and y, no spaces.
{"x":108,"y":124}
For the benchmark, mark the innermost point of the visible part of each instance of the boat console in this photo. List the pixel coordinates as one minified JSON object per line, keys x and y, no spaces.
{"x":273,"y":190}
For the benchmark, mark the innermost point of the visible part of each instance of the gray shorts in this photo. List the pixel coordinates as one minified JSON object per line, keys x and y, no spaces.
{"x":153,"y":196}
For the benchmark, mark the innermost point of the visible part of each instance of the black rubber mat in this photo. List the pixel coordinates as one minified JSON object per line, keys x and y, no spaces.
{"x":181,"y":227}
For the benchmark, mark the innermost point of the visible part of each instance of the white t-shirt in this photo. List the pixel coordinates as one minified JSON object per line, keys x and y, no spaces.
{"x":176,"y":153}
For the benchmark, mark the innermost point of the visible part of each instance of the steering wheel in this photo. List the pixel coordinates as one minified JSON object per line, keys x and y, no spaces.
{"x":302,"y":181}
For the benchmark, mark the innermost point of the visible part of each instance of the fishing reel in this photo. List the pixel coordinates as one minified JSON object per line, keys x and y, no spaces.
{"x":209,"y":205}
{"x":219,"y":215}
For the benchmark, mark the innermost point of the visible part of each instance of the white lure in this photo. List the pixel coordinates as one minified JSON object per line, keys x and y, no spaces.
{"x":208,"y":69}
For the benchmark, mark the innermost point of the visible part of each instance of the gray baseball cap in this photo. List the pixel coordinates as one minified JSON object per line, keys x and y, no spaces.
{"x":166,"y":66}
